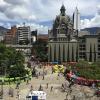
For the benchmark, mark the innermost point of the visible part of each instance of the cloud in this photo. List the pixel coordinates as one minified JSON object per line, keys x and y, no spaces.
{"x":39,"y":11}
{"x":19,"y":13}
{"x":16,"y":9}
{"x":3,"y":6}
{"x":98,"y":9}
{"x":93,"y":22}
{"x":46,"y":9}
{"x":16,"y":2}
{"x":33,"y":26}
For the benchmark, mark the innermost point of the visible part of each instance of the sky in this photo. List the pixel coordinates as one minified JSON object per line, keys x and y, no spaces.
{"x":40,"y":14}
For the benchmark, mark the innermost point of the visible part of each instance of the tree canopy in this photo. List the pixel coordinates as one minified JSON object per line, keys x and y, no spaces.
{"x":11,"y":62}
{"x":89,"y":71}
{"x":40,"y":50}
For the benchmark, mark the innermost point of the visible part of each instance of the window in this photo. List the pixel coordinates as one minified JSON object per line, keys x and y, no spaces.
{"x":99,"y":46}
{"x":99,"y":39}
{"x":99,"y":49}
{"x":82,"y":53}
{"x":82,"y":47}
{"x":98,"y":54}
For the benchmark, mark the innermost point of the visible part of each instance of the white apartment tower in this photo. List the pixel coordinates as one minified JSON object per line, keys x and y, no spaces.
{"x":24,"y":35}
{"x":76,"y":19}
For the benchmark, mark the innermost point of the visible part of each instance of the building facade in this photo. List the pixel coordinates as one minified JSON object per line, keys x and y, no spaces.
{"x":23,"y":35}
{"x":10,"y":36}
{"x":66,"y":44}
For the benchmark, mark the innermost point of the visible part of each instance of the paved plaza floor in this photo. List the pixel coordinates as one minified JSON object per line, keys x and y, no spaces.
{"x":54,"y":91}
{"x":53,"y":81}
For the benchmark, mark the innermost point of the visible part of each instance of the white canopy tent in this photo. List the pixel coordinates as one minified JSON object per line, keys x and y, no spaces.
{"x":40,"y":94}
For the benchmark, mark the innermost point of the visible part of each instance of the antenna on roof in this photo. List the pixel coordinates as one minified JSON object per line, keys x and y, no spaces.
{"x":62,"y":2}
{"x":24,"y":24}
{"x":77,"y":4}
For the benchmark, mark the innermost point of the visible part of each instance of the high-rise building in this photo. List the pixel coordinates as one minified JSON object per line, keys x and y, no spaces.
{"x":76,"y":19}
{"x":23,"y":35}
{"x":10,"y":36}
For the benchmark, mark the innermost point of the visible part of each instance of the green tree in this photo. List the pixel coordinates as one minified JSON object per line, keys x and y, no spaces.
{"x":19,"y":57}
{"x":17,"y":70}
{"x":40,"y":50}
{"x":11,"y":61}
{"x":89,"y":71}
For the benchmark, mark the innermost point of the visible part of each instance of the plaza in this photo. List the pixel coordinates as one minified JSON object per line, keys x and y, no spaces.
{"x":52,"y":85}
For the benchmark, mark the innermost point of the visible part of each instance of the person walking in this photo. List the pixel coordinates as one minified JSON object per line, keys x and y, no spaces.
{"x":27,"y":81}
{"x":17,"y":85}
{"x":40,"y":88}
{"x":11,"y":92}
{"x":47,"y":86}
{"x":31,"y":89}
{"x":51,"y":88}
{"x":18,"y":95}
{"x":43,"y":77}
